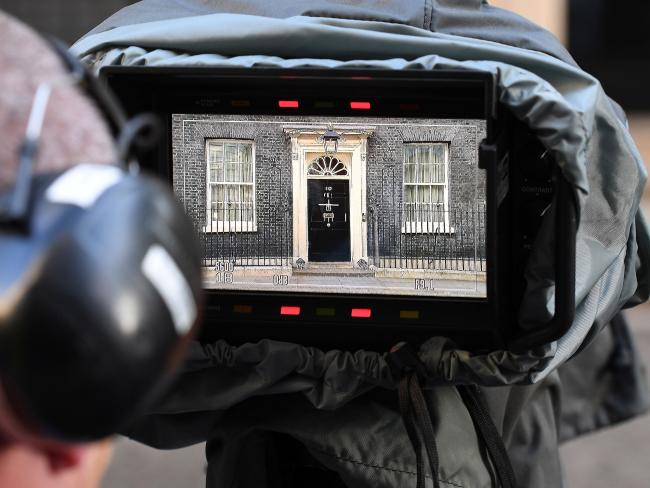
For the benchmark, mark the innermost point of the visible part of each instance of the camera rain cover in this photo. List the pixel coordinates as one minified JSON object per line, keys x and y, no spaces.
{"x":566,"y":108}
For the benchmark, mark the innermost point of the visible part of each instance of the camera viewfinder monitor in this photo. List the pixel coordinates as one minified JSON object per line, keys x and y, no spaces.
{"x":348,"y":209}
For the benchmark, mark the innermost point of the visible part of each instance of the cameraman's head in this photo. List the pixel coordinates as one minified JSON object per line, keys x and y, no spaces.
{"x":100,"y":283}
{"x":72,"y":132}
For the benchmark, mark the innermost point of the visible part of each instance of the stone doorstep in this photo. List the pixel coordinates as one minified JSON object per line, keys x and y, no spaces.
{"x":333,"y":269}
{"x":347,"y":271}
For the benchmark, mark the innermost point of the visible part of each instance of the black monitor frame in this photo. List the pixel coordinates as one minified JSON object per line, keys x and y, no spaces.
{"x":475,"y":324}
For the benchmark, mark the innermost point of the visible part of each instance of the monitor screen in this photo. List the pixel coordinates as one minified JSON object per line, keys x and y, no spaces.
{"x":335,"y":205}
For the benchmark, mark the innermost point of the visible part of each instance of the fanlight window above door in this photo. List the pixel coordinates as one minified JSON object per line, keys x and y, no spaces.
{"x":327,"y":166}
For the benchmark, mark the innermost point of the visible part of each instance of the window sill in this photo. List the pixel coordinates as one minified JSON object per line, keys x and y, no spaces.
{"x":230,"y":228}
{"x":428,"y":228}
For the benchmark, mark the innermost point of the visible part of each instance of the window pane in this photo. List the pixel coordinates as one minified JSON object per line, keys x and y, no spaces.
{"x":425,"y":194}
{"x":437,"y":213}
{"x":217,"y":202}
{"x":425,"y":154}
{"x":231,"y":172}
{"x":439,"y":161}
{"x":220,"y":212}
{"x":423,"y":161}
{"x":439,"y":153}
{"x":216,"y":172}
{"x":217,"y":193}
{"x":231,"y":200}
{"x":231,"y":193}
{"x":409,"y":194}
{"x":437,"y":173}
{"x":231,"y":153}
{"x":438,"y":194}
{"x":247,"y":202}
{"x":425,"y":171}
{"x":247,"y":173}
{"x":245,"y":153}
{"x":247,"y":193}
{"x":215,"y":152}
{"x":408,"y":164}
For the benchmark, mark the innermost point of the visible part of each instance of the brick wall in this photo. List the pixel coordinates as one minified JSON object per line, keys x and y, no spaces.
{"x":273,"y":236}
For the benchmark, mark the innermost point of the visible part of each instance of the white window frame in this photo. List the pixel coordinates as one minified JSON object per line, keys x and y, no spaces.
{"x":427,"y":227}
{"x":228,"y":226}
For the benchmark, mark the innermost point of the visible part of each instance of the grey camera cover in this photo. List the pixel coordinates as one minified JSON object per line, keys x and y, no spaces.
{"x":278,"y":384}
{"x":565,"y":106}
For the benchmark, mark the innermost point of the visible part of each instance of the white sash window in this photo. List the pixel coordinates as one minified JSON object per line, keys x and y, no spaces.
{"x":230,"y":186}
{"x":425,"y":199}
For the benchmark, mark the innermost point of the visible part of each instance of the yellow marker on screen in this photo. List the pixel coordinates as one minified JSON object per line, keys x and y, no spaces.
{"x":409,"y":314}
{"x":242,"y":309}
{"x":325,"y":312}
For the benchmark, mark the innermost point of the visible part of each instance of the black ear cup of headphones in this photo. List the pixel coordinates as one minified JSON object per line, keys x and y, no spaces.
{"x":98,"y":296}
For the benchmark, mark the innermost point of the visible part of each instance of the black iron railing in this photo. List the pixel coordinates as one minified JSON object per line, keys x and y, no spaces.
{"x":399,"y":235}
{"x":243,"y":232}
{"x":427,"y":236}
{"x":401,"y":238}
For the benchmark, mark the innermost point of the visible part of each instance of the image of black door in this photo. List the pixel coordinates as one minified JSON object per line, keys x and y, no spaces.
{"x":329,"y":220}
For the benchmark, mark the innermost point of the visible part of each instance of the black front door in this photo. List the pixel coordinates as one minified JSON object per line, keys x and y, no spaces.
{"x":329,"y":220}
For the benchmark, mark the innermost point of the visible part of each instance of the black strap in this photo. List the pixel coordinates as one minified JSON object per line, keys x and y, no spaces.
{"x":423,"y":419}
{"x":475,"y":403}
{"x":411,"y":429}
{"x":417,"y":420}
{"x":406,"y":365}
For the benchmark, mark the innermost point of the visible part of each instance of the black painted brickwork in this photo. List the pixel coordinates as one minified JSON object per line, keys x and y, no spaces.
{"x":273,"y":179}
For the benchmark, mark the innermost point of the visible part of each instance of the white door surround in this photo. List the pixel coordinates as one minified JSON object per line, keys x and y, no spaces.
{"x":307,"y":145}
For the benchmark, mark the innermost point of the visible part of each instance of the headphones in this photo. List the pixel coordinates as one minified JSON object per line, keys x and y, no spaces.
{"x":100,"y":283}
